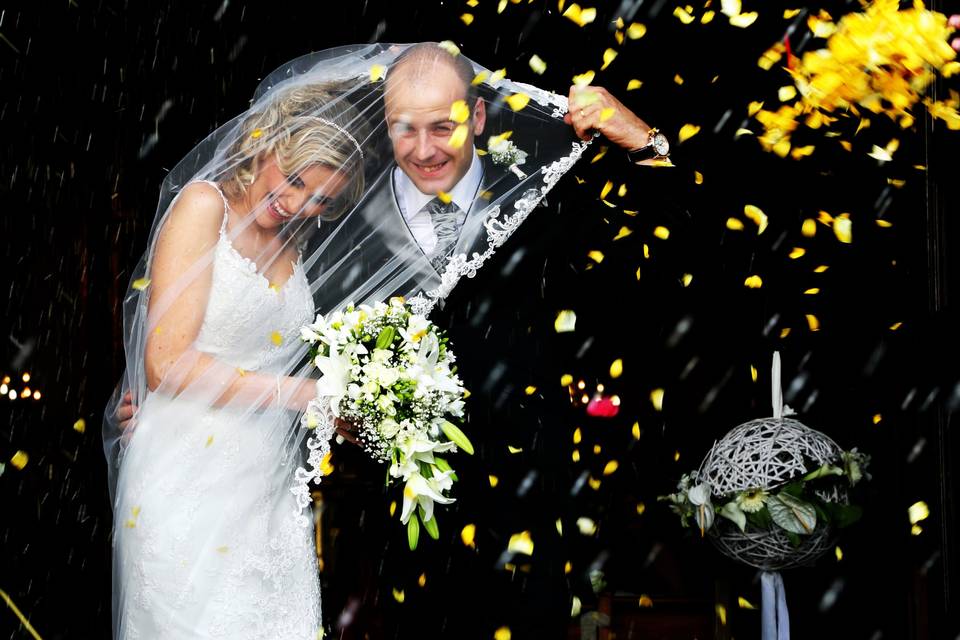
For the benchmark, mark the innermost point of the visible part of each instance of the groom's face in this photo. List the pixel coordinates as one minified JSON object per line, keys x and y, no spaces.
{"x":418,"y":119}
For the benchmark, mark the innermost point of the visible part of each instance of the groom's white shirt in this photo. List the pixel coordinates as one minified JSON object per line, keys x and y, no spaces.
{"x":412,"y":201}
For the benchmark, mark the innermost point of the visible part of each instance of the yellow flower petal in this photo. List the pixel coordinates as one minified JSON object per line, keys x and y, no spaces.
{"x":459,"y":111}
{"x":480,"y":77}
{"x":80,"y":426}
{"x":809,"y":228}
{"x":467,"y":18}
{"x":530,"y":390}
{"x":656,"y":398}
{"x":596,"y":256}
{"x":683,"y":15}
{"x":744,"y":20}
{"x":445,"y":197}
{"x":398,"y":595}
{"x":607,"y":113}
{"x":634,"y":84}
{"x":787,"y":93}
{"x":503,"y":633}
{"x":521,"y":543}
{"x":753,"y":282}
{"x":611,"y":468}
{"x":583,"y":79}
{"x":566,"y":321}
{"x":797,"y":252}
{"x":141,"y":283}
{"x":498,"y":75}
{"x":734,"y":224}
{"x":616,"y":369}
{"x":636,"y":31}
{"x":276,"y":338}
{"x":537,"y":64}
{"x":707,"y":17}
{"x":661,"y":232}
{"x":566,"y":380}
{"x":813,"y":322}
{"x":458,"y":137}
{"x":843,"y":228}
{"x":759,"y":217}
{"x":256,"y":133}
{"x":606,"y":189}
{"x":687,"y":131}
{"x":493,"y":480}
{"x":518,"y":101}
{"x":686,"y":279}
{"x":450,"y":47}
{"x":468,"y":534}
{"x":697,"y":177}
{"x":377,"y":72}
{"x":624,"y":232}
{"x":608,"y":56}
{"x":580,"y":16}
{"x":20,"y":459}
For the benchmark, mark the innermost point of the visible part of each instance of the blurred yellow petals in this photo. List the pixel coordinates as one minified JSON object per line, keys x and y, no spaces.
{"x":661,"y":232}
{"x":537,"y":64}
{"x":80,"y":426}
{"x":459,"y":111}
{"x":813,"y":322}
{"x":608,"y":56}
{"x":398,"y":595}
{"x":580,"y":16}
{"x":634,"y":84}
{"x":753,"y":282}
{"x":141,"y":283}
{"x":687,"y":131}
{"x":636,"y":31}
{"x":20,"y":459}
{"x":467,"y":535}
{"x":584,"y":79}
{"x":377,"y":72}
{"x":610,"y":468}
{"x":797,"y":252}
{"x":467,"y":19}
{"x":809,"y":228}
{"x":566,"y":321}
{"x":518,"y":101}
{"x":566,"y":380}
{"x":656,"y":399}
{"x":616,"y":369}
{"x":503,"y":633}
{"x":458,"y":137}
{"x":843,"y":228}
{"x":596,"y":256}
{"x":697,"y":177}
{"x":607,"y":113}
{"x":276,"y":338}
{"x":787,"y":93}
{"x":445,"y":197}
{"x":450,"y":47}
{"x":521,"y":543}
{"x":683,"y":15}
{"x":757,"y":216}
{"x":498,"y":75}
{"x":480,"y":77}
{"x":734,"y":224}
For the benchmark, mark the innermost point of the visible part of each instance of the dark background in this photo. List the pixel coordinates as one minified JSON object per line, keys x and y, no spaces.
{"x":99,"y":99}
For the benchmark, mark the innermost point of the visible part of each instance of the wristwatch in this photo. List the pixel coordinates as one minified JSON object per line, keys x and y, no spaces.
{"x":657,"y":147}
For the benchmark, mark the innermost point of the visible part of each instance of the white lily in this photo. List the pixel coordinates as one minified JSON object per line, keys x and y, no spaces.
{"x":333,"y":383}
{"x":420,"y":491}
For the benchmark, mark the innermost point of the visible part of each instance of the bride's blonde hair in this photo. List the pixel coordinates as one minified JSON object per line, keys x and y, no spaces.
{"x":305,"y":125}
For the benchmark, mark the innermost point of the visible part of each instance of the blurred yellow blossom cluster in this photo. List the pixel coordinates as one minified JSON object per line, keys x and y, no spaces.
{"x":882,"y":60}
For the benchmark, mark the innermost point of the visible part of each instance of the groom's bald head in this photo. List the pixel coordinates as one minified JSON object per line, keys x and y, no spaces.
{"x":422,"y":85}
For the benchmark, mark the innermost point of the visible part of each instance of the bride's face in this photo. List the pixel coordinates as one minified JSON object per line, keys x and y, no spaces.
{"x":277,"y":198}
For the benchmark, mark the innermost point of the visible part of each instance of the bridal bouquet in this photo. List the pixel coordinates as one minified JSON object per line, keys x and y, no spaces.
{"x":389,"y":372}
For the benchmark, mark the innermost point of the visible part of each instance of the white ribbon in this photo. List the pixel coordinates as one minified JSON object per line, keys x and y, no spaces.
{"x":775,"y":388}
{"x":773,"y":609}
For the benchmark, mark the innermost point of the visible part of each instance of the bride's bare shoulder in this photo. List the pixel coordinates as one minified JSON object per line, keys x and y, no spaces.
{"x":196,"y":216}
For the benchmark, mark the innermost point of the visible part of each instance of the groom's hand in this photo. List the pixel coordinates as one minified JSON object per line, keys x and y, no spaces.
{"x":595,"y":109}
{"x":346,"y":430}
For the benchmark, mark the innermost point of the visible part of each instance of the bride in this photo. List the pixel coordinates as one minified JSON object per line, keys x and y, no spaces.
{"x":287,"y":210}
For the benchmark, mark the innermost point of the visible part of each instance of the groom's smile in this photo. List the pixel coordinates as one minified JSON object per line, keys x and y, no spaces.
{"x":418,"y":102}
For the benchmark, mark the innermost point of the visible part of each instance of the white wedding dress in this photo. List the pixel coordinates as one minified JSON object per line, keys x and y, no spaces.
{"x":206,"y":541}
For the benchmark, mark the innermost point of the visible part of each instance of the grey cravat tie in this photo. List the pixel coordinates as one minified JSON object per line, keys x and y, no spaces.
{"x":447,"y":220}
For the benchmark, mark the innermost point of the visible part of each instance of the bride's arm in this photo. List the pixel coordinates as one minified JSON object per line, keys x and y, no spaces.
{"x":179,"y":295}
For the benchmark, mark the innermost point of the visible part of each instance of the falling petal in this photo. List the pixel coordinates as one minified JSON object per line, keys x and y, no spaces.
{"x":797,"y":252}
{"x":503,"y":633}
{"x":753,"y":282}
{"x":377,"y":72}
{"x":610,"y":468}
{"x":759,"y":217}
{"x":494,"y":480}
{"x":616,"y":369}
{"x":686,"y":279}
{"x":566,"y":380}
{"x":661,"y":232}
{"x":480,"y":77}
{"x":398,"y":595}
{"x":623,"y":233}
{"x":514,"y":450}
{"x":596,"y":256}
{"x":458,"y":137}
{"x":141,"y":283}
{"x":744,"y":20}
{"x":608,"y":56}
{"x":843,"y":228}
{"x":580,"y":16}
{"x":839,"y":553}
{"x":683,"y":15}
{"x":467,"y":18}
{"x":450,"y":47}
{"x":742,"y":132}
{"x":707,"y":17}
{"x":606,"y":189}
{"x":537,"y":64}
{"x":786,"y":93}
{"x":813,"y":322}
{"x":20,"y":459}
{"x":656,"y":398}
{"x":687,"y":131}
{"x":498,"y":75}
{"x":276,"y":338}
{"x":918,"y":512}
{"x":467,"y":535}
{"x":445,"y":197}
{"x":603,"y":152}
{"x":607,"y":113}
{"x":744,"y":603}
{"x":812,"y":291}
{"x":645,"y":601}
{"x":459,"y":111}
{"x":584,"y":79}
{"x":634,"y":84}
{"x":636,"y":31}
{"x":809,"y":228}
{"x":575,"y":607}
{"x":802,"y":152}
{"x":80,"y":425}
{"x":586,"y":526}
{"x":521,"y":543}
{"x":530,"y":390}
{"x":734,"y":224}
{"x":518,"y":101}
{"x":881,"y":154}
{"x":678,"y":79}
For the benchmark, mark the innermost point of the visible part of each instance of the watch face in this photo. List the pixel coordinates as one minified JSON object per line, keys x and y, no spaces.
{"x":661,"y":144}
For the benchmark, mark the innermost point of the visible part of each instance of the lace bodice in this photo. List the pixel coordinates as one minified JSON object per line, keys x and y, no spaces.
{"x":249,"y":321}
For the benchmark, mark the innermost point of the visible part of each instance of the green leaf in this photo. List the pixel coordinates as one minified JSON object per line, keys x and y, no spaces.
{"x":844,"y":515}
{"x":413,"y":531}
{"x":455,"y":435}
{"x":760,"y":519}
{"x":791,"y":514}
{"x":794,"y":488}
{"x":733,"y":512}
{"x":426,"y":470}
{"x":793,"y":538}
{"x":443,"y":466}
{"x":385,"y":339}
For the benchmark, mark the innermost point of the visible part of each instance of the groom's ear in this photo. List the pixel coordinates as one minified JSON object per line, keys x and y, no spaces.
{"x":479,"y":117}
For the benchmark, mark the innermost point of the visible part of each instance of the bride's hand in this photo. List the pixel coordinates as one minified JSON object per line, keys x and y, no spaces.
{"x":346,"y":430}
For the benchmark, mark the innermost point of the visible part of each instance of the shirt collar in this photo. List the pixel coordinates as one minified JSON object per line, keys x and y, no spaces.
{"x":412,"y":200}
